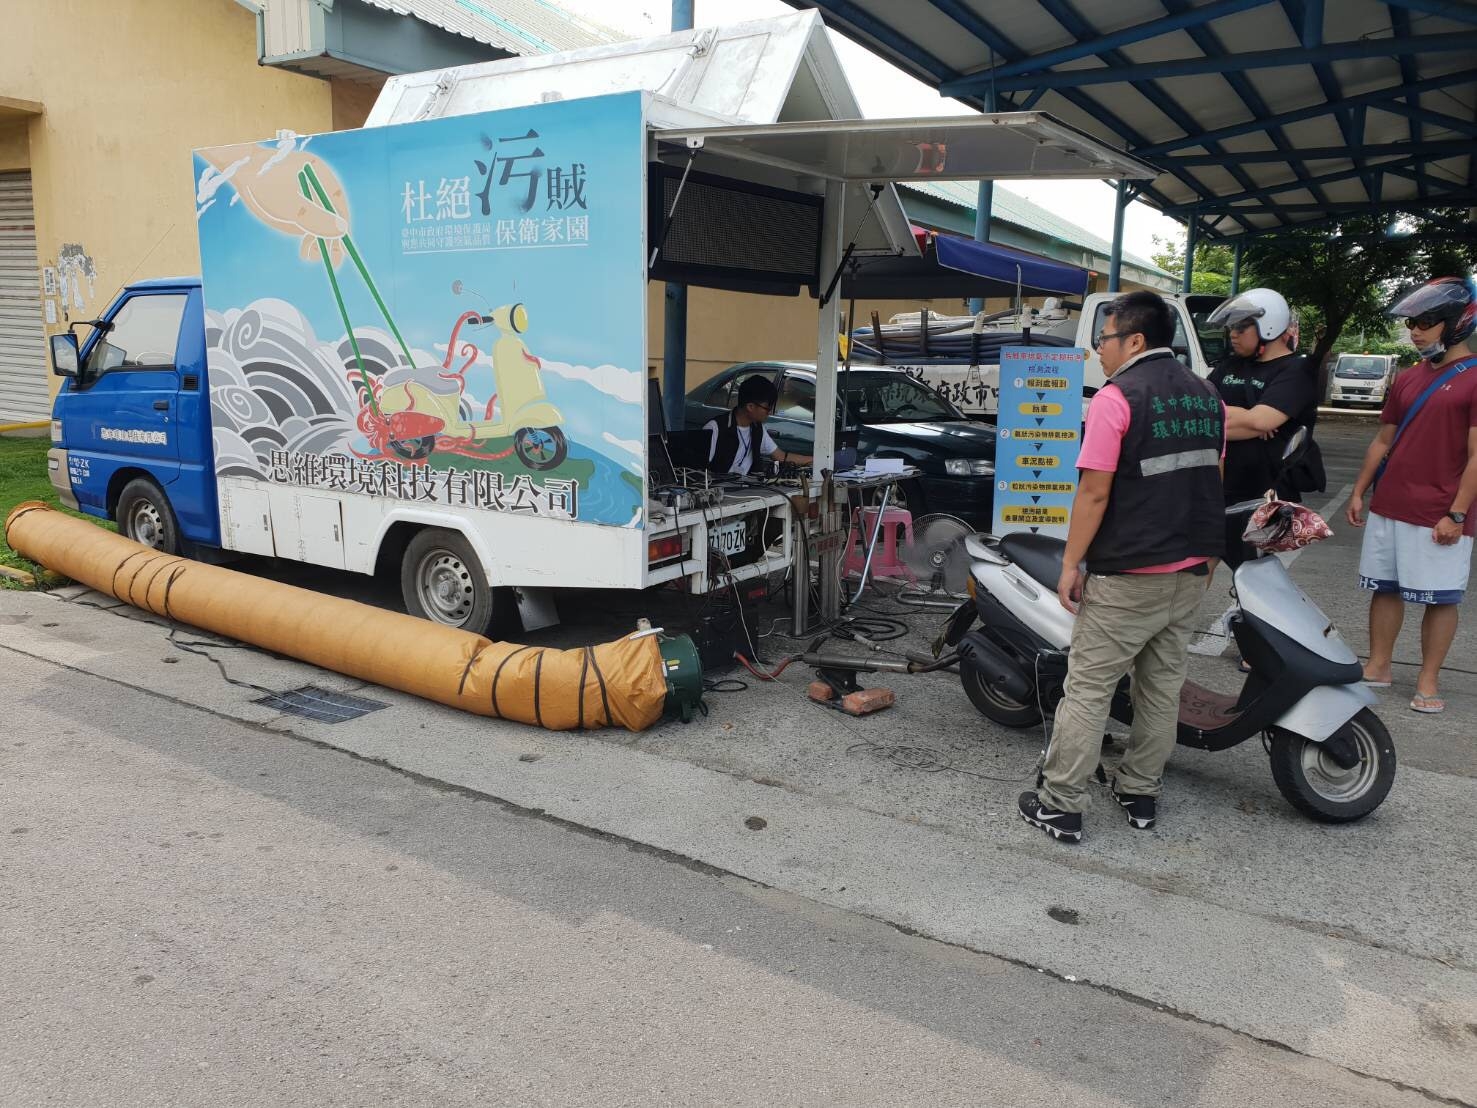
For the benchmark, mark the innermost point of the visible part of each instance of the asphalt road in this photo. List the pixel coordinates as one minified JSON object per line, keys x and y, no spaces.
{"x":197,"y":910}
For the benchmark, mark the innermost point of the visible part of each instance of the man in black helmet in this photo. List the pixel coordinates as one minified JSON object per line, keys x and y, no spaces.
{"x":1422,"y":467}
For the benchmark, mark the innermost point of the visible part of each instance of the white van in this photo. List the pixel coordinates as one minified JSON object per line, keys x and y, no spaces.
{"x":1360,"y":380}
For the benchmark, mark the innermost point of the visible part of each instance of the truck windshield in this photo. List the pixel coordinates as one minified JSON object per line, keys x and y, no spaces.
{"x":1359,"y":367}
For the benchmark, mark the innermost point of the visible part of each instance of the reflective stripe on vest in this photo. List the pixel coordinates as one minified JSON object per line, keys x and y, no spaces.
{"x":1185,"y":459}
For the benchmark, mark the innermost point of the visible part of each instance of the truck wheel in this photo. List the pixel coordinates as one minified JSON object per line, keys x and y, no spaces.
{"x":441,"y":580}
{"x":540,"y":447}
{"x":1320,"y":788}
{"x":143,"y":514}
{"x":994,"y":705}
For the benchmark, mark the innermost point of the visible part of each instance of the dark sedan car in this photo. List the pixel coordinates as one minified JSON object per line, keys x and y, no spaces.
{"x":897,"y":417}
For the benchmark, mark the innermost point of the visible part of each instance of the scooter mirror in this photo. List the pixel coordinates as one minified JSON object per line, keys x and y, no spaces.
{"x":1295,"y":443}
{"x":456,"y":288}
{"x":1246,"y":507}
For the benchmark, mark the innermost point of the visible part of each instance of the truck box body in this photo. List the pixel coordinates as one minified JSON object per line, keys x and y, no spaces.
{"x":491,"y":291}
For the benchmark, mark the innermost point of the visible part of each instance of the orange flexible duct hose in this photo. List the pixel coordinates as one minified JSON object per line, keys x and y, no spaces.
{"x":617,"y":683}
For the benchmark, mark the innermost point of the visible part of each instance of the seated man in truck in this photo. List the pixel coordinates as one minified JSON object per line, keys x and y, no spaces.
{"x":738,"y":440}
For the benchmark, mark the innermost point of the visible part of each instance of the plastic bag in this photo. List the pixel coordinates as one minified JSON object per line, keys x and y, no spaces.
{"x":1279,"y":525}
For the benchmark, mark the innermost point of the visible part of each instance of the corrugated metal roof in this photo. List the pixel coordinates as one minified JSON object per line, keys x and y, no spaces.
{"x":519,"y":27}
{"x":1015,"y":209}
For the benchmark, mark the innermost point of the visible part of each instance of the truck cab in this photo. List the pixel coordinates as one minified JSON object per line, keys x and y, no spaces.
{"x":130,"y":426}
{"x":1360,"y":380}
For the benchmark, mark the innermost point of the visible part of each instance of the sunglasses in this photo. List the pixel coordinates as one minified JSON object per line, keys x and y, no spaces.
{"x":1422,"y":322}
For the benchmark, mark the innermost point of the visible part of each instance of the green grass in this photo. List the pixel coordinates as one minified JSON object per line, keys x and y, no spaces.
{"x":23,"y":477}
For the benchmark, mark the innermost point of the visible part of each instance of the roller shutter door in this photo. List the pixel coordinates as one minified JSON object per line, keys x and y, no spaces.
{"x":23,"y":361}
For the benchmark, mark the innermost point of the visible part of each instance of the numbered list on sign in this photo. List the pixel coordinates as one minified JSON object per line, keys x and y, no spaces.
{"x":1040,"y":428}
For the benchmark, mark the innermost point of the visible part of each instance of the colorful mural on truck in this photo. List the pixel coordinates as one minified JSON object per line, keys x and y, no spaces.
{"x":449,"y":312}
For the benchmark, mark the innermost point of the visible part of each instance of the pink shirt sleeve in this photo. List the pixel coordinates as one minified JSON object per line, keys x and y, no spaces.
{"x":1107,"y":422}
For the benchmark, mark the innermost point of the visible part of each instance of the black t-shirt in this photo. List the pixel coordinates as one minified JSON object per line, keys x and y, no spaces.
{"x":1287,"y":384}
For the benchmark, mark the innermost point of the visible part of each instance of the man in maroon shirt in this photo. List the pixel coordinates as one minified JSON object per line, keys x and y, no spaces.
{"x":1418,"y":544}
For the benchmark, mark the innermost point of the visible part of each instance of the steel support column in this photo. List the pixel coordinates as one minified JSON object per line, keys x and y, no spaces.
{"x":1236,"y":267}
{"x":1191,"y":234}
{"x":674,"y":317}
{"x":1115,"y":257}
{"x":984,"y":201}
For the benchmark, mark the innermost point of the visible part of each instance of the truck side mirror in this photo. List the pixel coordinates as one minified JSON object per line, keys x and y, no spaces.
{"x":64,"y":355}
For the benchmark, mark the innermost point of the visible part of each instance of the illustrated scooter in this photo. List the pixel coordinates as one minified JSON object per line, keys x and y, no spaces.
{"x":1331,"y":756}
{"x":414,"y":405}
{"x":421,"y":403}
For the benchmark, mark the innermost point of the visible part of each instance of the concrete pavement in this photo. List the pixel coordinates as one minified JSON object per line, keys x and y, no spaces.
{"x":1350,"y":945}
{"x":199,"y":910}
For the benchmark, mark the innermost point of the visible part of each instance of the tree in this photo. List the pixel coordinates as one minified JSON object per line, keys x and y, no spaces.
{"x":1342,"y":275}
{"x":1213,"y":263}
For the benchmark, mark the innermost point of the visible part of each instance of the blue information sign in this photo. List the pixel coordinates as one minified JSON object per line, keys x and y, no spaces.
{"x":1040,"y":426}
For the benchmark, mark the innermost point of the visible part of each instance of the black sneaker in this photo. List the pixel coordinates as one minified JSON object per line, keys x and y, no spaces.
{"x":1142,"y":810}
{"x":1065,"y":826}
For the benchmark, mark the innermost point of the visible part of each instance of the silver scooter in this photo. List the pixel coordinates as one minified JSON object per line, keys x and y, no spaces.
{"x":1331,"y":756}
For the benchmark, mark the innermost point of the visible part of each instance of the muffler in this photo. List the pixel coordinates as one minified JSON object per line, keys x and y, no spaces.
{"x":995,"y":667}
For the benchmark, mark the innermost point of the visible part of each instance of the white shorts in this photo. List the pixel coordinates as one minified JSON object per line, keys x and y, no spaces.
{"x":1402,"y":557}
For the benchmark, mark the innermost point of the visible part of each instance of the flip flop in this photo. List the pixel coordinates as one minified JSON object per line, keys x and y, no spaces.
{"x":1427,"y":705}
{"x":1368,"y":683}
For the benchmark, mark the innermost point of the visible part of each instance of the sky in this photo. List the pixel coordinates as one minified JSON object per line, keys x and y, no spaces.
{"x":884,"y":91}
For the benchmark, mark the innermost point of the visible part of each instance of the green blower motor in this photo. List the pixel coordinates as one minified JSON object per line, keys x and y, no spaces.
{"x":684,"y":677}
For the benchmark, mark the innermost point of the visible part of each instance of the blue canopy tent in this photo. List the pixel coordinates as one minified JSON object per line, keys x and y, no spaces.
{"x":953,"y":266}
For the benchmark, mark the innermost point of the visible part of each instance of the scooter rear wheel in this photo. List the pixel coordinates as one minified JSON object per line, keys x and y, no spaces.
{"x":413,"y":450}
{"x":1320,"y":788}
{"x":994,"y":704}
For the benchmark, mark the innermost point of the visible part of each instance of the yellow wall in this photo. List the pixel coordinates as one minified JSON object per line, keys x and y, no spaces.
{"x":15,"y":146}
{"x":129,"y":88}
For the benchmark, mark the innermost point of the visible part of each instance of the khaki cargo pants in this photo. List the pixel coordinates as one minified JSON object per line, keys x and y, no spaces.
{"x":1137,"y":623}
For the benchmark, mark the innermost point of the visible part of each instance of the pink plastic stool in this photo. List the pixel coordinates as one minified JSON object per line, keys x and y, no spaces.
{"x":886,"y":558}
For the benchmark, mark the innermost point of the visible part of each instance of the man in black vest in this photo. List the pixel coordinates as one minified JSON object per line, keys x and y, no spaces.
{"x":1147,"y":519}
{"x":738,"y":440}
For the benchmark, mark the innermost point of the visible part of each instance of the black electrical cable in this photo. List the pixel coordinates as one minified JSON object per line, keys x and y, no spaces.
{"x":725,"y":685}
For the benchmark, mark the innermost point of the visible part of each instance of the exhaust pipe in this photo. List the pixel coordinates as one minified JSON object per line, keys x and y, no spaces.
{"x":996,"y":668}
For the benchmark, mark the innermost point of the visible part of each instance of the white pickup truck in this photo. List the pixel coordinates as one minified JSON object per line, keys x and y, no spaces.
{"x":973,"y":383}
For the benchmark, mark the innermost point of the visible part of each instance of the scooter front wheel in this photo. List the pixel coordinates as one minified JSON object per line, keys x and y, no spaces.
{"x":1320,"y":788}
{"x":540,"y":447}
{"x":994,"y":704}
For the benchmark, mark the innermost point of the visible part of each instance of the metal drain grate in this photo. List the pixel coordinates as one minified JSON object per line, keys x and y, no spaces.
{"x":321,"y":705}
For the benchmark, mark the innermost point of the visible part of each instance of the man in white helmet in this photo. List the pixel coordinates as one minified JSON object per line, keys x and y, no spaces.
{"x":1269,"y":392}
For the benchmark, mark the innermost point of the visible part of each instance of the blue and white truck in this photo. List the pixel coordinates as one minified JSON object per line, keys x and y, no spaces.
{"x":420,"y":348}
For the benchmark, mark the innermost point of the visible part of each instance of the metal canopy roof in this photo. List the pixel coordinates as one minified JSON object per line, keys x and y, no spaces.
{"x":1261,"y":114}
{"x":969,"y":148}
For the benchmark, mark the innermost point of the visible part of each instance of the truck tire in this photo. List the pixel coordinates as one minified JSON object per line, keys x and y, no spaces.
{"x":144,"y":515}
{"x":1321,"y":789}
{"x":442,"y":580}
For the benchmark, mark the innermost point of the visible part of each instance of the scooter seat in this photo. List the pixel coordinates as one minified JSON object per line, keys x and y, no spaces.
{"x":430,"y":377}
{"x":1038,"y":556}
